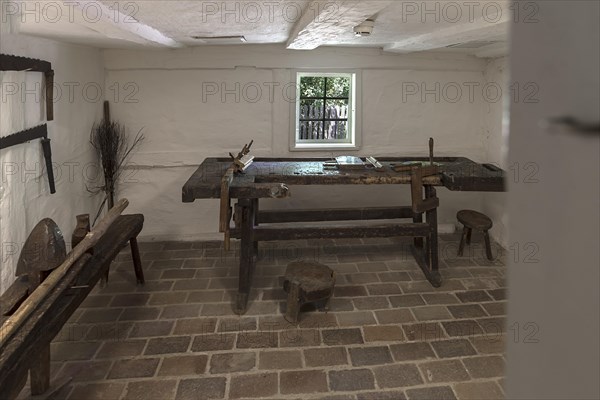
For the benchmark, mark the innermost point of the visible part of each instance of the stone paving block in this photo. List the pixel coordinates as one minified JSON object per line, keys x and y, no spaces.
{"x":495,"y":308}
{"x":195,"y":326}
{"x":165,"y":298}
{"x":356,"y":318}
{"x":464,"y":327}
{"x":440,"y":298}
{"x":335,"y":337}
{"x":93,"y":301}
{"x":231,"y":362}
{"x":406,"y":300}
{"x":453,"y":348}
{"x":68,"y":351}
{"x":351,"y":380}
{"x":412,"y":351}
{"x":467,"y":311}
{"x":395,"y":276}
{"x":253,"y":386}
{"x":473,"y":296}
{"x":139,"y":314}
{"x":133,"y":368}
{"x":431,"y":313}
{"x":498,"y":294}
{"x":350,"y":291}
{"x":326,"y":356}
{"x":306,"y":381}
{"x":363,"y":356}
{"x":168,"y":345}
{"x":192,"y":284}
{"x":112,"y":331}
{"x":497,"y":326}
{"x":151,"y":390}
{"x":395,"y":316}
{"x":424,"y":331}
{"x":299,"y":338}
{"x":489,"y":344}
{"x":388,"y":395}
{"x":485,"y":366}
{"x":371,"y":303}
{"x":205,"y":296}
{"x":181,"y":311}
{"x":213,"y":342}
{"x":97,"y":391}
{"x":362,"y":278}
{"x":130,"y":300}
{"x":383,"y":289}
{"x":397,"y":376}
{"x":478,"y":391}
{"x":85,"y":371}
{"x":372,"y":266}
{"x":257,"y":340}
{"x":284,"y":359}
{"x":178,"y":274}
{"x":149,"y":329}
{"x":383,"y":333}
{"x":444,"y":371}
{"x":118,"y":349}
{"x":201,"y":389}
{"x":431,"y":393}
{"x":183,"y":365}
{"x":100,"y":315}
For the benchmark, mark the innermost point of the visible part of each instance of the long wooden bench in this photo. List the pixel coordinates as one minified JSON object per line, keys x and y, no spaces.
{"x":21,"y":352}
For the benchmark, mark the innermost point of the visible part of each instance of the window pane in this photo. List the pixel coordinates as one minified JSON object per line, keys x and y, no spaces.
{"x":311,"y":109}
{"x":338,"y":87}
{"x":337,"y":130}
{"x":312,"y":86}
{"x":311,"y":130}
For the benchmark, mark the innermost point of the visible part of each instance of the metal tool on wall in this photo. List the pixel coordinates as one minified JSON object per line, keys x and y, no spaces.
{"x":39,"y":132}
{"x":17,"y":63}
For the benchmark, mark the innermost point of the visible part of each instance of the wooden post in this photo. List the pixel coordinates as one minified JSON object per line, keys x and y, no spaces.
{"x":247,"y":259}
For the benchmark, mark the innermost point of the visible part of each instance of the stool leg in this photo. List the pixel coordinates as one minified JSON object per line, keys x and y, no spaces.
{"x":488,"y":247}
{"x":40,"y":371}
{"x":293,"y":303}
{"x":137,"y":262}
{"x":463,"y":238}
{"x":469,"y":231}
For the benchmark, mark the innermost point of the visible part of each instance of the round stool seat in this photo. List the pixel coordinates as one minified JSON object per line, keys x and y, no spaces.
{"x":474,"y":220}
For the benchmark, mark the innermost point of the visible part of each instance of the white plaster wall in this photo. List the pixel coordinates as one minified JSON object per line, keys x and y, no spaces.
{"x":24,"y":194}
{"x":495,"y":141}
{"x":182,"y":128}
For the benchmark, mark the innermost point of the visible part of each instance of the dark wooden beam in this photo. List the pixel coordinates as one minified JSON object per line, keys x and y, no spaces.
{"x":340,"y":214}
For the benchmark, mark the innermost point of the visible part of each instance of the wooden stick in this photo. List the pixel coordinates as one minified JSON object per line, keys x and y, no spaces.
{"x":11,"y":325}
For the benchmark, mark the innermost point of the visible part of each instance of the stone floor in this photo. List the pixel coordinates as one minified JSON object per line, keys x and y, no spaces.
{"x":388,"y":334}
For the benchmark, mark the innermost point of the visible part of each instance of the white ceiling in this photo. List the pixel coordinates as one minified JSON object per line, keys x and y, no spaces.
{"x":400,"y":26}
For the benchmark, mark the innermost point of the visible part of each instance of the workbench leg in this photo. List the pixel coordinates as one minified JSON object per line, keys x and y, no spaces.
{"x":418,"y":241}
{"x":432,"y":242}
{"x":137,"y":262}
{"x":247,"y":260}
{"x":40,"y":372}
{"x":255,"y":242}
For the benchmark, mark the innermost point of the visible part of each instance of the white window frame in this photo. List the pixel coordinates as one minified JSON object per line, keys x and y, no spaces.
{"x":354,"y":118}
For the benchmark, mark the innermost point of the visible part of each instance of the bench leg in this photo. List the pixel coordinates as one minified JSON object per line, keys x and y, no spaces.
{"x":40,"y":372}
{"x":469,"y":231}
{"x":293,"y":303}
{"x":137,"y":262}
{"x":463,"y":239}
{"x":418,"y":242}
{"x":247,"y":254}
{"x":488,"y":246}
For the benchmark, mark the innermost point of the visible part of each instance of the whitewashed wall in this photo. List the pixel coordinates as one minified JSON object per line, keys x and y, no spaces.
{"x":183,"y":127}
{"x":495,"y":139}
{"x":24,"y":194}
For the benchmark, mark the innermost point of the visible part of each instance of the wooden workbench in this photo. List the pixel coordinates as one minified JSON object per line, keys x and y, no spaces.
{"x":271,"y":178}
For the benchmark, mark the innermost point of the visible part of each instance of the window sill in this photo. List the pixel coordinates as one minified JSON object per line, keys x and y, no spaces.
{"x":324,"y":147}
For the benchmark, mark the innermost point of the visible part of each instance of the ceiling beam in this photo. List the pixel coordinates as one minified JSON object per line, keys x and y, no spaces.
{"x":480,"y":30}
{"x":323,"y":20}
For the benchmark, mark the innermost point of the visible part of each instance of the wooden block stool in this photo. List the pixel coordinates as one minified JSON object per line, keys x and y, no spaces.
{"x":307,"y":282}
{"x":478,"y":221}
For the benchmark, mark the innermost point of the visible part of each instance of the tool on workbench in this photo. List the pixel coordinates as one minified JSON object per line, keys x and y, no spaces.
{"x":431,"y":151}
{"x":240,"y":163}
{"x":39,"y":132}
{"x":376,"y":164}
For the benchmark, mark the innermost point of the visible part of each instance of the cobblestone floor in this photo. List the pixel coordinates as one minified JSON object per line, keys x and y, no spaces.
{"x":388,"y":334}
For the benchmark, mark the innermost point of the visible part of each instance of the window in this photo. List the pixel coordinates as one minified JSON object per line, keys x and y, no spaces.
{"x":326,"y":115}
